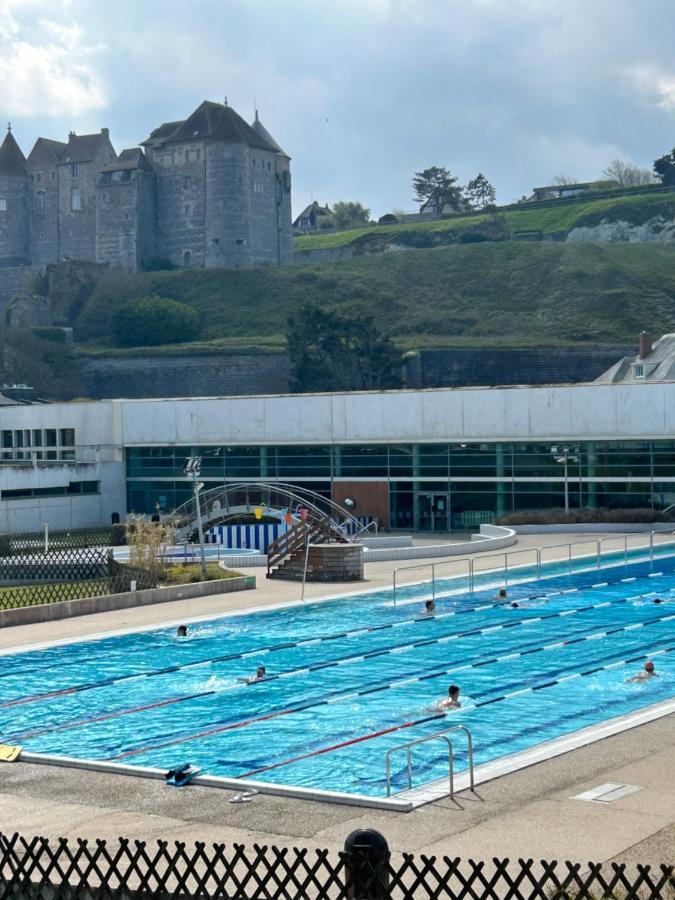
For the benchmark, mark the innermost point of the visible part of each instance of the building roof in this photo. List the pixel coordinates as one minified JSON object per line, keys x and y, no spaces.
{"x":262,"y":132}
{"x":164,"y":131}
{"x":12,"y":160}
{"x":84,"y":147}
{"x":46,"y":151}
{"x":314,"y":208}
{"x":128,"y":160}
{"x":657,"y":365}
{"x":213,"y":121}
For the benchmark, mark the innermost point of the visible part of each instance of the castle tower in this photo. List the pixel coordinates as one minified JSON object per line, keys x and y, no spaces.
{"x":282,"y":169}
{"x":14,"y":209}
{"x":222,"y":195}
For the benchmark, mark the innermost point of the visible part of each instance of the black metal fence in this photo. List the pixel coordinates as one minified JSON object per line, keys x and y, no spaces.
{"x":55,"y":870}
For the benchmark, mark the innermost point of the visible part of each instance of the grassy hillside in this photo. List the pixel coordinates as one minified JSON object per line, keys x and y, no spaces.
{"x":547,"y":219}
{"x":489,"y":294}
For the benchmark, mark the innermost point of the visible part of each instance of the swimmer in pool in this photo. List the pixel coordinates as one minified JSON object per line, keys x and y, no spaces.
{"x":181,"y":631}
{"x":514,"y":604}
{"x":260,"y":675}
{"x":452,"y":701}
{"x":430,"y":607}
{"x":501,"y":595}
{"x":648,"y":672}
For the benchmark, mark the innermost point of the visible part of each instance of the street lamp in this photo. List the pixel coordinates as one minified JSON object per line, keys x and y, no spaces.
{"x":564,"y":456}
{"x":192,"y":468}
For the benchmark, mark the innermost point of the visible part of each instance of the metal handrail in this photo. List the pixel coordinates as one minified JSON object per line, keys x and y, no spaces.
{"x":596,"y":542}
{"x":432,"y":566}
{"x":438,"y":735}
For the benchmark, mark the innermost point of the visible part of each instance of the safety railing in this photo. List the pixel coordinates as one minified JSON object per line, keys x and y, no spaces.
{"x":432,"y":566}
{"x":511,"y":560}
{"x":437,"y":736}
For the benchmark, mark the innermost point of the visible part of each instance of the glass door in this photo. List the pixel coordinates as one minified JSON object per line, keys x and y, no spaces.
{"x":433,"y":512}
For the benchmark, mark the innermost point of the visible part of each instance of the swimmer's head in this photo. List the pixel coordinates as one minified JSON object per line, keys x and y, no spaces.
{"x":658,"y":600}
{"x":430,"y":606}
{"x":260,"y":672}
{"x":514,"y":604}
{"x":181,"y":631}
{"x":453,"y":692}
{"x":502,"y":593}
{"x":649,"y":666}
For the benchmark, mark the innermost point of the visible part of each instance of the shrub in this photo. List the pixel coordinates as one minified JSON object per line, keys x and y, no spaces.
{"x":158,"y":264}
{"x":584,"y":515}
{"x":155,"y":320}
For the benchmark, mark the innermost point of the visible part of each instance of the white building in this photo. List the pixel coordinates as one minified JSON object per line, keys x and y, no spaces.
{"x":430,"y":459}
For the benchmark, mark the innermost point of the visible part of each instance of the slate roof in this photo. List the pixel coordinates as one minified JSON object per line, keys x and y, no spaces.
{"x":211,"y":121}
{"x":12,"y":160}
{"x":128,"y":160}
{"x":46,"y":151}
{"x":658,"y":365}
{"x":83,"y":147}
{"x":161,"y":133}
{"x":262,"y":132}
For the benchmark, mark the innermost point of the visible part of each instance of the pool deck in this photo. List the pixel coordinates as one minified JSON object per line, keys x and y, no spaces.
{"x":529,"y":813}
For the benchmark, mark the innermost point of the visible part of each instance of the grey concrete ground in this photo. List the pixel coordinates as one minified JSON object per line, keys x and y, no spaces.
{"x":530,"y":813}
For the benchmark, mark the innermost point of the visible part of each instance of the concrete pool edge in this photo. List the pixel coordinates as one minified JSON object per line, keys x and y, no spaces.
{"x":515,"y":762}
{"x":404,"y":801}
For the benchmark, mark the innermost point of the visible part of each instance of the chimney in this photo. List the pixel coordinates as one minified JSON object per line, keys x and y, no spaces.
{"x":105,"y":132}
{"x":645,"y":344}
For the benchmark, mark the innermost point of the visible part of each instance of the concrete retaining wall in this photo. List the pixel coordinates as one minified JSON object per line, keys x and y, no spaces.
{"x":491,"y":537}
{"x":595,"y":528}
{"x":90,"y":605}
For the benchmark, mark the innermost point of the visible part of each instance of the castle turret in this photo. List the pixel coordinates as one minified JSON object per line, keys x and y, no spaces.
{"x":14,"y":209}
{"x":282,"y":169}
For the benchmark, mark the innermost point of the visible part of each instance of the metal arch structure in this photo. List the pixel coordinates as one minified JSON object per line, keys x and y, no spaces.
{"x":219,"y":504}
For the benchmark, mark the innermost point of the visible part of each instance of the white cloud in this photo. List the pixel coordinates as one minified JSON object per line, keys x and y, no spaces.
{"x":656,"y":83}
{"x":45,"y":66}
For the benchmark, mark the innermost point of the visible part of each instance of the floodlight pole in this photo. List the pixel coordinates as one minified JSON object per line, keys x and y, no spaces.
{"x":193,"y":468}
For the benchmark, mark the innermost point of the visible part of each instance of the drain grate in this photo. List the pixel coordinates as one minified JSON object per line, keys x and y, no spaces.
{"x":607,"y":793}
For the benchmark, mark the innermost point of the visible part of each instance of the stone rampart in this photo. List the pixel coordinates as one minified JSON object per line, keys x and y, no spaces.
{"x":186,"y":376}
{"x":14,"y":280}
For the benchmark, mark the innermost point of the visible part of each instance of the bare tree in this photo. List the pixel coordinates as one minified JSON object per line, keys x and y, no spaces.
{"x":627,"y":174}
{"x":564,"y":179}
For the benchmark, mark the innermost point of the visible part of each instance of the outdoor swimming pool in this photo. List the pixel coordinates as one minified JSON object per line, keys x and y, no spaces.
{"x":353,"y":677}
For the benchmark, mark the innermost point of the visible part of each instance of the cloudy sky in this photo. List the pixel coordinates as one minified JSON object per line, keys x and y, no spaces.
{"x":361,"y":93}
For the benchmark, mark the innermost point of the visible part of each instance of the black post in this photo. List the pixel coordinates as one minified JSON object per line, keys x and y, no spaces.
{"x":366,"y":856}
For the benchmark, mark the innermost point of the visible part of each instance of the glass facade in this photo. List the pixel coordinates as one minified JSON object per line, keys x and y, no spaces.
{"x":432,"y":486}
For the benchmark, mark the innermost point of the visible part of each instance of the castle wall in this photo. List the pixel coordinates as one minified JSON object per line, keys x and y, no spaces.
{"x":265,"y":212}
{"x":125,"y":219}
{"x":14,"y":220}
{"x":15,"y":280}
{"x":44,"y":212}
{"x":78,"y":226}
{"x":181,"y":202}
{"x":228,"y":212}
{"x":285,"y":215}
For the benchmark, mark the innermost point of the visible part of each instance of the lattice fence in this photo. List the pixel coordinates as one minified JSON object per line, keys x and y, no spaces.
{"x":62,"y":870}
{"x":64,"y":565}
{"x":120,"y":580}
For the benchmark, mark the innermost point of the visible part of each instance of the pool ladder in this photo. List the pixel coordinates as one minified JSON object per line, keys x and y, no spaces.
{"x":439,"y":735}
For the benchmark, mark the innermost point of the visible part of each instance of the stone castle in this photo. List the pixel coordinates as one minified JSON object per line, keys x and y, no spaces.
{"x":208,"y":191}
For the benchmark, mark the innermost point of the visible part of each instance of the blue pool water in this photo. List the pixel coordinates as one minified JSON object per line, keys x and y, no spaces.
{"x":353,"y":677}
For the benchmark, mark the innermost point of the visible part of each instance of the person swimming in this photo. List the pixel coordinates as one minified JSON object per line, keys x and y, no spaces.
{"x":181,"y":631}
{"x":514,"y":604}
{"x":430,"y":607}
{"x":501,"y":596}
{"x":648,"y":672}
{"x":452,"y":700}
{"x":260,"y":675}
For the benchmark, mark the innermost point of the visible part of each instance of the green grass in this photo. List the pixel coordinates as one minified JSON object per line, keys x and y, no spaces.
{"x":481,"y":295}
{"x":44,"y":594}
{"x":547,"y":219}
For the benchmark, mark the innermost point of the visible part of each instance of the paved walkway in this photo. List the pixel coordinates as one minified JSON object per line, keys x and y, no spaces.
{"x":528,"y":813}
